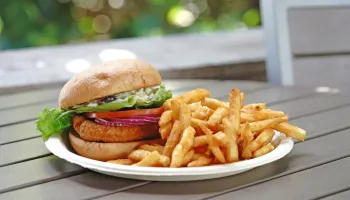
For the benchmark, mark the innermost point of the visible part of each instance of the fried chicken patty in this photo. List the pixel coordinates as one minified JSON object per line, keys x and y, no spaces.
{"x":91,"y":131}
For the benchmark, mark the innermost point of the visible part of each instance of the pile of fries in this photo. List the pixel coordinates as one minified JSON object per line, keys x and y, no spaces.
{"x":200,"y":131}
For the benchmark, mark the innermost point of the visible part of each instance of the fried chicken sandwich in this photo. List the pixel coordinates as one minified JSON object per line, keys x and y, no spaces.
{"x":108,"y":110}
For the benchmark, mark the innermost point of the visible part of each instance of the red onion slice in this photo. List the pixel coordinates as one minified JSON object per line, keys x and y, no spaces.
{"x":119,"y":123}
{"x":142,"y":118}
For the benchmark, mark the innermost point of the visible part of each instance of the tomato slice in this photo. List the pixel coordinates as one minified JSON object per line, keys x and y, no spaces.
{"x":126,"y":113}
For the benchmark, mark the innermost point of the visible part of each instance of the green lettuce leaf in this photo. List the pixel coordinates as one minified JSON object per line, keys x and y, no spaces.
{"x":128,"y":102}
{"x":132,"y":101}
{"x":53,"y":121}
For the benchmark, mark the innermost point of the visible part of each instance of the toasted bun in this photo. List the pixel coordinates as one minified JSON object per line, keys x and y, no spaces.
{"x":107,"y":79}
{"x":106,"y":151}
{"x":91,"y":131}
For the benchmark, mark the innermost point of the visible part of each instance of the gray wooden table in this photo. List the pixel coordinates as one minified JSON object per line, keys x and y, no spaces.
{"x":315,"y":169}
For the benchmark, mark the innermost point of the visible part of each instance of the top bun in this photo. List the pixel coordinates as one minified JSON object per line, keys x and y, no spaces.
{"x":107,"y":79}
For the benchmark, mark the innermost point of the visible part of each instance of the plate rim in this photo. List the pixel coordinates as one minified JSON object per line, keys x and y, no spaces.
{"x":284,"y":148}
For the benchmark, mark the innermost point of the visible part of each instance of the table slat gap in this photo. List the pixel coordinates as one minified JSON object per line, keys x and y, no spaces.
{"x":338,"y":195}
{"x":344,"y":160}
{"x":164,"y":187}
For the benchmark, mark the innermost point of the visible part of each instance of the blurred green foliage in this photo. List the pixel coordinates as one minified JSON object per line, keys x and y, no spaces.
{"x":28,"y":23}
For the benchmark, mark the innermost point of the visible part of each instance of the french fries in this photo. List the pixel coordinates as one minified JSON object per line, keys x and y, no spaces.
{"x":121,"y":161}
{"x":231,"y":153}
{"x":175,"y":108}
{"x":185,"y":115}
{"x":199,"y":130}
{"x":151,"y":160}
{"x":267,"y":114}
{"x":263,"y":150}
{"x":217,"y":117}
{"x":173,"y":138}
{"x":187,"y":157}
{"x":148,"y":147}
{"x":188,"y":98}
{"x":213,"y":147}
{"x":165,"y":130}
{"x":264,"y":124}
{"x":214,"y":103}
{"x":140,"y":154}
{"x":185,"y":144}
{"x":201,"y":161}
{"x":291,"y":131}
{"x":165,"y":118}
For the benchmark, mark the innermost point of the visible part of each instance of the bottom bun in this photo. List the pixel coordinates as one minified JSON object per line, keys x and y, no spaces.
{"x":106,"y":151}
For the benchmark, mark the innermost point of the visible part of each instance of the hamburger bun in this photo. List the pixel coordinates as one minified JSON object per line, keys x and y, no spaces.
{"x":108,"y":79}
{"x":106,"y":151}
{"x":91,"y":131}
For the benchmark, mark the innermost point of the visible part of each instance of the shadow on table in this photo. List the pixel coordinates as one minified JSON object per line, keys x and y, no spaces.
{"x":213,"y":186}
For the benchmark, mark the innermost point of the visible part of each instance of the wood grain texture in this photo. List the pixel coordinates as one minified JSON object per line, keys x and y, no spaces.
{"x":15,"y":132}
{"x":303,"y":156}
{"x":87,"y":185}
{"x":31,"y":112}
{"x":309,"y":184}
{"x":27,"y":98}
{"x":339,"y":196}
{"x":36,"y":171}
{"x":22,"y":151}
{"x":328,"y":71}
{"x":183,"y":51}
{"x":313,"y":104}
{"x":315,"y":112}
{"x":294,"y":109}
{"x":308,"y":122}
{"x":319,"y":30}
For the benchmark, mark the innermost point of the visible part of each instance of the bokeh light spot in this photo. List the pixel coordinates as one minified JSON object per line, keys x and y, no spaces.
{"x":251,"y":17}
{"x":40,"y":64}
{"x":88,"y":4}
{"x":325,"y":89}
{"x":63,"y":1}
{"x":180,"y":17}
{"x":77,"y":65}
{"x":1,"y":25}
{"x":116,"y":4}
{"x":101,"y":23}
{"x":113,"y":54}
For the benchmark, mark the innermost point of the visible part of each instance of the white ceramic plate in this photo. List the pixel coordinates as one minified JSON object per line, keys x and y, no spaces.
{"x":60,"y":147}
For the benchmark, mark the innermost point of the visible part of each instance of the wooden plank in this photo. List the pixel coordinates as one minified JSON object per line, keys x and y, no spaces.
{"x":254,"y":92}
{"x":278,"y":94}
{"x":41,"y":150}
{"x":31,"y":112}
{"x":183,"y":51}
{"x":222,"y":90}
{"x":319,"y":118}
{"x":44,"y":95}
{"x":325,"y":122}
{"x":326,"y":23}
{"x":217,"y":88}
{"x":339,"y":196}
{"x":17,"y":132}
{"x":309,"y":184}
{"x":23,"y":114}
{"x":87,"y":185}
{"x":304,"y":155}
{"x":36,"y":171}
{"x":300,"y":109}
{"x":312,"y":104}
{"x":21,"y":151}
{"x":332,"y":71}
{"x":25,"y":98}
